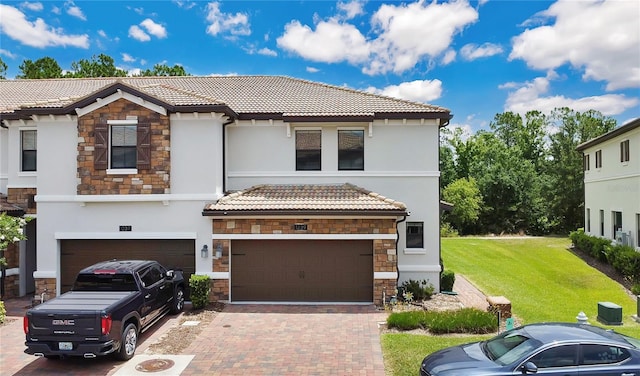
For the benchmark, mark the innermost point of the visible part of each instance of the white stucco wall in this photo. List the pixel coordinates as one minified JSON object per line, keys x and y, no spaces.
{"x":401,"y":162}
{"x":196,"y":179}
{"x":4,"y":159}
{"x":15,"y":177}
{"x":614,"y":188}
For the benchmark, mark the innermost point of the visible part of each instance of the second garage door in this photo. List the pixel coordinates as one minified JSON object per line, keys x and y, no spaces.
{"x":302,"y":270}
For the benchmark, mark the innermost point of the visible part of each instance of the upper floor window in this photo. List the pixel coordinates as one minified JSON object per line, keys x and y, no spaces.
{"x":599,"y":159}
{"x":585,"y":162}
{"x":29,"y":149}
{"x":624,"y":151}
{"x":122,"y":144}
{"x":415,"y":235}
{"x":308,"y":150}
{"x":350,"y":149}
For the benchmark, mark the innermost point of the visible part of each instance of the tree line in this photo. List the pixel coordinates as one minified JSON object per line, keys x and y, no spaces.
{"x":97,"y":66}
{"x":522,"y":176}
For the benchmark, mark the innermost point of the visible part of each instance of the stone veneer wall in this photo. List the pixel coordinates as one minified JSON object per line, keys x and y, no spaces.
{"x":384,"y":250}
{"x":152,"y":181}
{"x":24,"y":198}
{"x":48,"y":284}
{"x":12,"y":282}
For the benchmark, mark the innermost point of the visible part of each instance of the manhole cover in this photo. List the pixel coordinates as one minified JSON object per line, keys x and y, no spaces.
{"x":155,"y":365}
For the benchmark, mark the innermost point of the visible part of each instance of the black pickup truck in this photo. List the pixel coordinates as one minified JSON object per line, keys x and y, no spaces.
{"x":109,"y":305}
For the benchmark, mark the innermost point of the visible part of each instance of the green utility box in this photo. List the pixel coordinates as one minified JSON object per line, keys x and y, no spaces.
{"x":609,"y":313}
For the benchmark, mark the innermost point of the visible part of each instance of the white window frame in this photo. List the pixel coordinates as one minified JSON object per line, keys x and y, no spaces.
{"x":119,"y":171}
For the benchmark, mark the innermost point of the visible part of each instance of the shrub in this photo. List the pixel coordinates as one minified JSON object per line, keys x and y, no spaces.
{"x":447,"y":231}
{"x":447,"y":279}
{"x":200,"y":288}
{"x":635,"y":289}
{"x":419,"y":290}
{"x":3,"y":312}
{"x":624,"y":259}
{"x":466,"y":320}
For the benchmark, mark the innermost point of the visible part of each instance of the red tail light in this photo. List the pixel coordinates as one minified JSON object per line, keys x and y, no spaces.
{"x":25,"y":325}
{"x":106,"y":324}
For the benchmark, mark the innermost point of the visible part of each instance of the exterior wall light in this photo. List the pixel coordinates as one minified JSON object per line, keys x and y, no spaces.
{"x":218,"y":250}
{"x":204,"y":252}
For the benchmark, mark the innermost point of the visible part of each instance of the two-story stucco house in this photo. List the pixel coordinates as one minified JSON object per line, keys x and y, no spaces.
{"x":279,"y":189}
{"x":612,"y":184}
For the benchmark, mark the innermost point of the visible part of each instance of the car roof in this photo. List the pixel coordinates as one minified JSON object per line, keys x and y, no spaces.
{"x":570,"y":332}
{"x":117,"y":266}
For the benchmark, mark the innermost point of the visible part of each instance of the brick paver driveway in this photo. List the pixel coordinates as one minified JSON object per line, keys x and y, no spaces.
{"x":243,"y":340}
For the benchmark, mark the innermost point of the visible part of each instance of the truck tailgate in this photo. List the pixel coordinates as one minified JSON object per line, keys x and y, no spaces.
{"x":76,"y":313}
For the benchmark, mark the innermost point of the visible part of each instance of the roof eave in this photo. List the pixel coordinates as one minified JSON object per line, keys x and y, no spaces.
{"x":290,"y":212}
{"x":609,"y":135}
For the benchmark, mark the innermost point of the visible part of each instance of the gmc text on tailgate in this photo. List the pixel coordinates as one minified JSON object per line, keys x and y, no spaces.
{"x":109,"y":305}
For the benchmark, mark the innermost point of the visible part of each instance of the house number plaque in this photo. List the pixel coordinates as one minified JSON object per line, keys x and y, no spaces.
{"x":300,"y":227}
{"x":125,"y":228}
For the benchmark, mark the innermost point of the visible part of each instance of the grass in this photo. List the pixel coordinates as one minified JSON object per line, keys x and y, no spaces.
{"x":543,"y":280}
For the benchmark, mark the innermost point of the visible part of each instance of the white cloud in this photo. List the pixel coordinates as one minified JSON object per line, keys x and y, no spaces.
{"x":185,"y":4}
{"x":401,"y":35}
{"x":409,"y":33}
{"x":529,"y":96}
{"x":267,"y":52}
{"x":448,"y":57}
{"x":137,"y":33}
{"x":473,"y":51}
{"x":102,"y":33}
{"x":598,"y":37}
{"x":351,"y":9}
{"x":36,"y":34}
{"x":154,"y":29}
{"x":74,"y":10}
{"x":312,"y":70}
{"x":331,"y":42}
{"x":56,"y":10}
{"x":36,"y":7}
{"x":128,"y":58}
{"x":234,"y":24}
{"x":8,"y":54}
{"x":417,"y":91}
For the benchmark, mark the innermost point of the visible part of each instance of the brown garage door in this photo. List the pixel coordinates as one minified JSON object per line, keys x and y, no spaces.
{"x":78,"y":254}
{"x":302,"y":270}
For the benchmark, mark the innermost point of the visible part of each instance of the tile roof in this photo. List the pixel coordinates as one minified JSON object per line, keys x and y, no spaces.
{"x":6,"y":207}
{"x":280,"y":95}
{"x":308,"y":198}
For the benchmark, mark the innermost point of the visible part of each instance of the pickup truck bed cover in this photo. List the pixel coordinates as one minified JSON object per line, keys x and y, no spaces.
{"x":84,"y":300}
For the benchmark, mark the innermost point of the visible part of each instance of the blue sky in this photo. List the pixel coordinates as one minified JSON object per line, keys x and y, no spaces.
{"x":477,"y":58}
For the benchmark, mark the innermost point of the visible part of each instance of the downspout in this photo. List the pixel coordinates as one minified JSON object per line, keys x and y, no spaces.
{"x":224,"y":156}
{"x":404,"y":218}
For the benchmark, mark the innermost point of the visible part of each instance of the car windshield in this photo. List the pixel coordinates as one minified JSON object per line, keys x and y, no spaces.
{"x":101,"y":282}
{"x":508,"y":347}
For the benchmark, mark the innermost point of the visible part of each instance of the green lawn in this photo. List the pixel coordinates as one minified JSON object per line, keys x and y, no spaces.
{"x":542,"y":279}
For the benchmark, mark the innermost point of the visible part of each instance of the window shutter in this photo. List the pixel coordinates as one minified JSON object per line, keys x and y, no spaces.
{"x":101,"y":147}
{"x":144,"y":146}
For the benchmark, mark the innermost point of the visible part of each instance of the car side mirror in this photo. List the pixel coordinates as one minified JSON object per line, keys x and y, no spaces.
{"x":529,"y":367}
{"x":170,"y":274}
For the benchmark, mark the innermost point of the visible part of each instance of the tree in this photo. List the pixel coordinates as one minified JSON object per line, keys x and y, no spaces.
{"x":98,"y":66}
{"x":466,"y":198}
{"x":165,"y":70}
{"x":3,"y":70}
{"x":528,"y":135}
{"x":45,"y":67}
{"x":565,"y":193}
{"x":10,"y":232}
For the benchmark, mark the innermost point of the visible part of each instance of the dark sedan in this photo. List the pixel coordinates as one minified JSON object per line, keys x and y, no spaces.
{"x":543,"y":349}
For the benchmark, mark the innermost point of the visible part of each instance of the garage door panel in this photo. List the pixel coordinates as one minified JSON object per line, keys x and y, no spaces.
{"x":78,"y":254}
{"x":302,"y":270}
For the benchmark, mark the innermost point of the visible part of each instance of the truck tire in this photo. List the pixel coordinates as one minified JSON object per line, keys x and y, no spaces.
{"x":178,"y":301}
{"x":128,"y":343}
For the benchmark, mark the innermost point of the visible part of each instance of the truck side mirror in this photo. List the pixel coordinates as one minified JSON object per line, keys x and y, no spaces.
{"x":170,"y":274}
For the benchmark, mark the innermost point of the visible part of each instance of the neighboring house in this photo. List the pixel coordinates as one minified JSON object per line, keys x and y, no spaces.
{"x":612,"y":184}
{"x":279,"y":189}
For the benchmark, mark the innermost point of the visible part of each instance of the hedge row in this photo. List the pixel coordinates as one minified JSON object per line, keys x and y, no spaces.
{"x":623,"y":258}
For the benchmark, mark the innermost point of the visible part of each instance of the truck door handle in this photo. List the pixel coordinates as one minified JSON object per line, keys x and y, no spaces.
{"x":147,"y":296}
{"x":162,"y":287}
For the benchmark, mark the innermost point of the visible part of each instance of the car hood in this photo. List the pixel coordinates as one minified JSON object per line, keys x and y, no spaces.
{"x":459,"y":360}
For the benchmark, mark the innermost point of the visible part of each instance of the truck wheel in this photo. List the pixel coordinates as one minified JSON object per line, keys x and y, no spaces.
{"x":128,"y":343}
{"x":178,"y":301}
